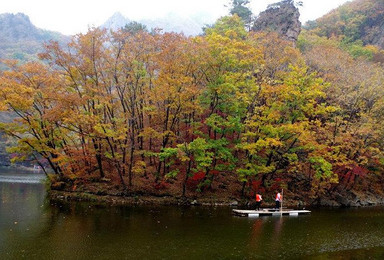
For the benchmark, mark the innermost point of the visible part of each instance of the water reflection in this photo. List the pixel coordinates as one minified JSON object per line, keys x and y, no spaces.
{"x":33,"y":229}
{"x":266,"y":236}
{"x":257,"y":233}
{"x":276,"y":236}
{"x":325,"y":234}
{"x":21,"y":213}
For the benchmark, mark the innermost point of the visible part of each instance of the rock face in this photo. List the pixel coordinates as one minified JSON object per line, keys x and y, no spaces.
{"x":374,"y":35}
{"x":351,"y":199}
{"x":282,"y":17}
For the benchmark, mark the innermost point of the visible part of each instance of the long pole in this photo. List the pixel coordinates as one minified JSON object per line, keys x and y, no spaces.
{"x":281,"y":203}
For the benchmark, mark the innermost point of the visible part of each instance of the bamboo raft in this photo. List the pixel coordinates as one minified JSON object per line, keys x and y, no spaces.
{"x":269,"y":212}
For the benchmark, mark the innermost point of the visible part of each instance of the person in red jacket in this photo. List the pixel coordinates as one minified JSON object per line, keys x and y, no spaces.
{"x":259,"y":199}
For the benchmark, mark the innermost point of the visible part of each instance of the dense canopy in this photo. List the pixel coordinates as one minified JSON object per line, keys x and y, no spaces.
{"x":229,"y":111}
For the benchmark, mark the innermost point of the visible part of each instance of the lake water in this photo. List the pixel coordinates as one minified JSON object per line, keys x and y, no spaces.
{"x":31,"y":228}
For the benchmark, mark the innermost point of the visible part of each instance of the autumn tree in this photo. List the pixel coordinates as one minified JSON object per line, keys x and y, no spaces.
{"x":145,"y":112}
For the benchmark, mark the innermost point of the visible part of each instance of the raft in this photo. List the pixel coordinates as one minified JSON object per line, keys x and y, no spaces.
{"x":269,"y":212}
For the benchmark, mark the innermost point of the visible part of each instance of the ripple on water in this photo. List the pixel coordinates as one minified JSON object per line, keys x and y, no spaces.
{"x":22,"y":179}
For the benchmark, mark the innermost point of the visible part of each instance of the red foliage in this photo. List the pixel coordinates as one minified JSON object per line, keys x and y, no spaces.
{"x":257,"y":187}
{"x":195,"y":180}
{"x":161,"y":185}
{"x":214,"y":172}
{"x":276,"y":184}
{"x":359,"y":171}
{"x":346,"y":171}
{"x":198,"y":176}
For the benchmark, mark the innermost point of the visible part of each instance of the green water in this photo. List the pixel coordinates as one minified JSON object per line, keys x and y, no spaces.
{"x":30,"y":228}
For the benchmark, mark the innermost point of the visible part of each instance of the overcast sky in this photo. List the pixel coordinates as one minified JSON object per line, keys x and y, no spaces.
{"x":74,"y":16}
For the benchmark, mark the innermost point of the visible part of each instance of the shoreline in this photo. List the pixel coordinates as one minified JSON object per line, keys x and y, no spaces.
{"x":168,"y":200}
{"x":116,"y":200}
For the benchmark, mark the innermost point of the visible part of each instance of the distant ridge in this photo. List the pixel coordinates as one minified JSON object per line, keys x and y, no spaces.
{"x":172,"y":22}
{"x":22,"y":40}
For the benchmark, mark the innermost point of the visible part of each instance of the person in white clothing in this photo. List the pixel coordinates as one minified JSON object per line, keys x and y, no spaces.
{"x":278,"y":200}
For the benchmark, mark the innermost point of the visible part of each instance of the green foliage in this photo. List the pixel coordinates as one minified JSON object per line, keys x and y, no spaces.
{"x":172,"y":174}
{"x":134,"y":27}
{"x":308,"y":40}
{"x":167,"y":153}
{"x":140,"y":107}
{"x":355,"y":24}
{"x":199,"y":149}
{"x":228,"y":26}
{"x":322,"y":167}
{"x":356,"y":49}
{"x":239,"y":7}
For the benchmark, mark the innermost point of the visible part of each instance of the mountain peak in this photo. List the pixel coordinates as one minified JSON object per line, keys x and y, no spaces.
{"x":16,"y":26}
{"x":116,"y":21}
{"x":117,"y":15}
{"x":19,"y":16}
{"x":20,"y":39}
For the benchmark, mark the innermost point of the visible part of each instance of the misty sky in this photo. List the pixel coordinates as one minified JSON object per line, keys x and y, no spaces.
{"x":74,"y":16}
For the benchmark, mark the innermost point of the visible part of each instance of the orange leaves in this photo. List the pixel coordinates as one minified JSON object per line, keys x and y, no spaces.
{"x":162,"y":106}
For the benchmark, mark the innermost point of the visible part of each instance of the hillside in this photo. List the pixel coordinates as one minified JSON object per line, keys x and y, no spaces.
{"x":21,"y":40}
{"x":359,"y":20}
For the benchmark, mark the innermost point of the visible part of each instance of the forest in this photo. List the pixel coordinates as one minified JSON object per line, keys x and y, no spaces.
{"x":226,"y":113}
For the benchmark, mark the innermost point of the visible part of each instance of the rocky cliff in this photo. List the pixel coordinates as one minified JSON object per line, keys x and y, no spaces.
{"x":282,"y":17}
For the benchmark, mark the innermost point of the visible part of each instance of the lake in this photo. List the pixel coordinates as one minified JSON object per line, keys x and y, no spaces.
{"x":31,"y":228}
